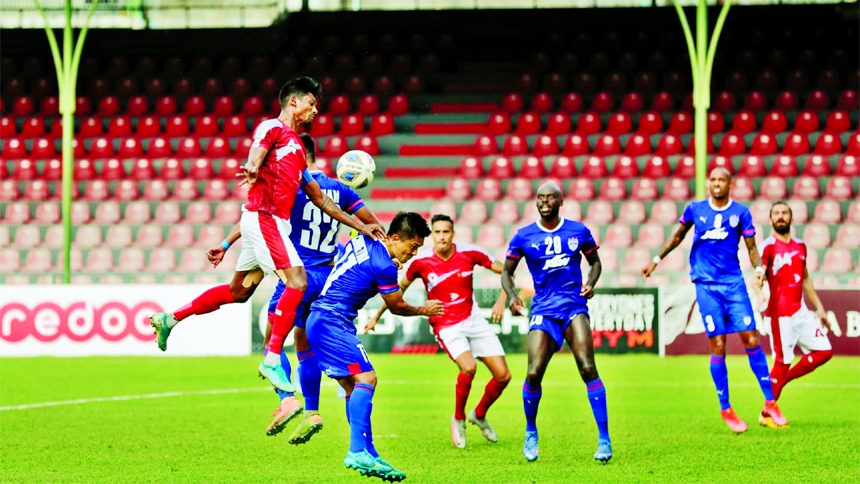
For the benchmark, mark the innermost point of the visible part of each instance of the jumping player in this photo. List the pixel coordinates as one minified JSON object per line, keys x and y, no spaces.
{"x":721,"y":293}
{"x":553,"y":248}
{"x":792,"y":324}
{"x":276,"y":169}
{"x":462,"y":331}
{"x":313,"y":235}
{"x":365,"y":269}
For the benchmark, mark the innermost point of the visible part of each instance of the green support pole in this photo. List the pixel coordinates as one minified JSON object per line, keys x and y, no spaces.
{"x":67,"y":65}
{"x":702,"y":63}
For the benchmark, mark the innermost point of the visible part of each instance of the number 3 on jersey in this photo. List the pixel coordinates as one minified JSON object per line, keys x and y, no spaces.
{"x":311,"y":236}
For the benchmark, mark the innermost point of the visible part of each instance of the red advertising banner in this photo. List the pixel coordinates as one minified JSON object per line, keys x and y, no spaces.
{"x":682,"y":331}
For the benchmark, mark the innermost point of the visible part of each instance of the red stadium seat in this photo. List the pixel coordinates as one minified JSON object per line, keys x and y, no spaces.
{"x":618,"y":236}
{"x":137,"y":212}
{"x":33,"y":128}
{"x":545,"y":145}
{"x":542,"y":103}
{"x":559,"y":123}
{"x":499,"y":123}
{"x":23,"y":106}
{"x":602,"y":103}
{"x":607,"y":145}
{"x":185,"y":190}
{"x":755,"y":101}
{"x":107,"y":213}
{"x":533,"y":167}
{"x":828,"y":144}
{"x":444,"y":207}
{"x":744,"y":122}
{"x":50,"y":106}
{"x":83,"y":170}
{"x":204,"y":126}
{"x":599,"y":212}
{"x":625,"y":167}
{"x":853,"y":145}
{"x":473,"y":212}
{"x":519,"y":189}
{"x":7,"y":127}
{"x":513,"y":103}
{"x":752,"y":167}
{"x":181,"y":236}
{"x":471,"y":167}
{"x":632,"y":102}
{"x":827,"y":212}
{"x":224,"y":106}
{"x":194,"y":106}
{"x":368,"y":144}
{"x":229,"y":169}
{"x":594,"y":168}
{"x":575,"y":145}
{"x":848,"y":165}
{"x":786,"y":101}
{"x":199,"y":212}
{"x":339,"y":105}
{"x":806,"y":188}
{"x":323,"y":125}
{"x":210,"y":236}
{"x":664,"y":212}
{"x":130,"y":148}
{"x":16,"y":212}
{"x":847,"y":237}
{"x":724,"y":102}
{"x":381,"y":125}
{"x":368,"y":105}
{"x":572,"y":103}
{"x":492,"y":235}
{"x":838,"y":188}
{"x":562,"y":167}
{"x":130,"y":261}
{"x":817,"y":101}
{"x":155,"y":190}
{"x":764,"y":144}
{"x":775,"y":123}
{"x":484,"y":146}
{"x":853,"y":215}
{"x":43,"y":148}
{"x":784,"y":166}
{"x":676,"y":189}
{"x":148,"y":126}
{"x":38,"y":261}
{"x":772,"y":188}
{"x":90,"y":127}
{"x":178,"y":126}
{"x":796,"y":144}
{"x":47,"y":212}
{"x":742,"y":188}
{"x":218,"y":147}
{"x":619,"y":123}
{"x":253,"y":106}
{"x":26,"y":170}
{"x":836,"y":261}
{"x":89,"y":236}
{"x":172,"y":169}
{"x":216,"y":190}
{"x":638,"y":145}
{"x":398,"y":105}
{"x":632,"y":212}
{"x":488,"y":189}
{"x":849,"y":100}
{"x":805,"y":122}
{"x":650,"y":123}
{"x":14,"y":149}
{"x":515,"y":145}
{"x":644,"y":189}
{"x":613,"y":189}
{"x":528,"y":123}
{"x":650,"y":236}
{"x":663,"y":102}
{"x":142,"y":169}
{"x":716,"y":123}
{"x":816,"y":236}
{"x":681,"y":123}
{"x":351,"y":125}
{"x":108,"y":106}
{"x":838,"y":122}
{"x":189,"y":148}
{"x":669,"y":145}
{"x":588,"y":124}
{"x":817,"y":166}
{"x":457,"y":189}
{"x":97,"y":190}
{"x":126,"y":190}
{"x":167,"y":213}
{"x":656,"y":167}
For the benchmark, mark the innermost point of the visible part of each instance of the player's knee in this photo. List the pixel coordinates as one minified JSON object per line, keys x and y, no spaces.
{"x":588,"y":372}
{"x":718,"y":347}
{"x":241,"y":293}
{"x":826,"y":355}
{"x":504,"y":378}
{"x":368,"y":378}
{"x":534,"y":375}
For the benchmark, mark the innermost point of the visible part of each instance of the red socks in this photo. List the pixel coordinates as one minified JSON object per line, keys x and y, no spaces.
{"x":464,"y":386}
{"x":492,"y":392}
{"x":782,"y":374}
{"x":207,"y":302}
{"x":285,"y":316}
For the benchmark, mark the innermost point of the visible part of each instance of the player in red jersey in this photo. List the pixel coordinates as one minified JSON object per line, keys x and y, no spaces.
{"x":791,"y":323}
{"x":462,"y":330}
{"x":276,"y":169}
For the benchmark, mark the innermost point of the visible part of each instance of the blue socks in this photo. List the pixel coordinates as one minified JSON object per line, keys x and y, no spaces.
{"x":720,"y":374}
{"x":360,"y":405}
{"x":309,"y":379}
{"x":285,"y":364}
{"x":758,"y":363}
{"x":531,"y":401}
{"x":597,"y":399}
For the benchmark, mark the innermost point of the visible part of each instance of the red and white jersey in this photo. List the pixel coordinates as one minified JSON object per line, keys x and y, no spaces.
{"x":450,"y":281}
{"x":785,"y":263}
{"x":280,"y":175}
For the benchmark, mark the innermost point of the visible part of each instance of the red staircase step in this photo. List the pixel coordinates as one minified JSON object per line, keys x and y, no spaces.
{"x":435,"y":150}
{"x":386,"y":217}
{"x":449,"y":128}
{"x":407,"y":194}
{"x":463,"y":108}
{"x":420,"y":172}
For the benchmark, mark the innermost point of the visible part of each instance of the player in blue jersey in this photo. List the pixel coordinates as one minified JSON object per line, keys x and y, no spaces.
{"x":719,"y":223}
{"x":314,"y":236}
{"x":553,"y":248}
{"x":365,"y":269}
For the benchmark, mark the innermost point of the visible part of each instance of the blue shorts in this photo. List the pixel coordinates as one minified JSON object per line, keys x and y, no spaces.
{"x":317,"y":276}
{"x":338,"y":349}
{"x":725,"y":308}
{"x":555,"y":326}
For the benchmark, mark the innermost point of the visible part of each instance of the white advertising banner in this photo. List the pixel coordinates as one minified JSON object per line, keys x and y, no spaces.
{"x":87,"y":320}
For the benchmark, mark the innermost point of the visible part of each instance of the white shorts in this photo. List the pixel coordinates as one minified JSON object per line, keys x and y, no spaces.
{"x":802,"y":330}
{"x":266,"y":243}
{"x":472,"y":334}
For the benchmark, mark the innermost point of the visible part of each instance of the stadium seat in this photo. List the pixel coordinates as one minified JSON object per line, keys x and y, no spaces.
{"x":594,"y":168}
{"x":515,"y":145}
{"x":772,"y":188}
{"x":457,"y":189}
{"x":572,"y":103}
{"x":339,"y":105}
{"x":488,"y":189}
{"x":130,"y":148}
{"x":80,"y":212}
{"x":827,"y":212}
{"x":656,"y":167}
{"x":473,"y":212}
{"x":828,"y":144}
{"x":368,"y":105}
{"x":36,"y":191}
{"x":471,"y":167}
{"x":444,"y":207}
{"x":485,"y":146}
{"x":838,"y":122}
{"x":204,"y":126}
{"x":367,"y":144}
{"x":632,"y":212}
{"x":243,"y":148}
{"x":752,"y":166}
{"x":599,"y":212}
{"x":217,"y":147}
{"x":806,"y":188}
{"x":50,"y":106}
{"x":200,"y":169}
{"x":142,"y":169}
{"x":607,"y":145}
{"x":638,"y":145}
{"x":224,"y":105}
{"x":625,"y":167}
{"x":545,"y":145}
{"x":817,"y":101}
{"x":588,"y":124}
{"x":784,"y":166}
{"x":663,"y":102}
{"x":664,"y":212}
{"x":849,"y":100}
{"x":755,"y":101}
{"x":650,"y":123}
{"x":796,"y":144}
{"x":760,"y":211}
{"x":838,"y":188}
{"x":16,"y":212}
{"x":126,"y":190}
{"x":192,"y":260}
{"x":816,"y":236}
{"x":90,"y":128}
{"x":398,"y":105}
{"x":7,"y":127}
{"x":381,"y":125}
{"x":816,"y":166}
{"x":38,"y":261}
{"x":147,"y":127}
{"x":137,"y":212}
{"x":847,"y":237}
{"x":351,"y":125}
{"x":26,"y":170}
{"x":43,"y":148}
{"x":161,"y":260}
{"x":632,"y":102}
{"x":27,"y":237}
{"x":519,"y":189}
{"x":575,"y":145}
{"x":744,"y":122}
{"x":681,"y":123}
{"x":198,"y":212}
{"x":137,"y":106}
{"x":227,"y":213}
{"x":732,"y":145}
{"x":853,"y":148}
{"x":253,"y":106}
{"x":108,"y":106}
{"x":528,"y":123}
{"x":33,"y":128}
{"x":650,"y":236}
{"x":724,"y":102}
{"x":185,"y":190}
{"x":721,"y":161}
{"x":669,"y":145}
{"x":532,"y":168}
{"x":14,"y":149}
{"x":805,"y":122}
{"x":130,"y":261}
{"x":209,"y":236}
{"x":99,"y":260}
{"x":618,"y":236}
{"x":506,"y":211}
{"x":619,"y":123}
{"x":582,"y":189}
{"x":676,"y":189}
{"x":167,"y":213}
{"x":562,"y":167}
{"x":542,"y":103}
{"x":216,"y":190}
{"x":189,"y":148}
{"x":848,"y":165}
{"x":837,"y":260}
{"x":644,"y":189}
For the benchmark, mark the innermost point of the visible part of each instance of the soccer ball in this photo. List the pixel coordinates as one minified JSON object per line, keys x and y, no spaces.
{"x":356,"y":169}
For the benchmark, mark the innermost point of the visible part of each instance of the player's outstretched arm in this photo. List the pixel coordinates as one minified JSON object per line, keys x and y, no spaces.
{"x":216,"y":254}
{"x":677,"y":237}
{"x":371,"y":323}
{"x":755,"y":259}
{"x":366,"y":216}
{"x":809,"y":292}
{"x":596,"y":268}
{"x":516,"y":304}
{"x":321,"y":200}
{"x":400,"y":307}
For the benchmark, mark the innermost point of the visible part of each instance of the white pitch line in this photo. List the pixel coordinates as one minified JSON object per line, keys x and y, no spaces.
{"x":121,"y":398}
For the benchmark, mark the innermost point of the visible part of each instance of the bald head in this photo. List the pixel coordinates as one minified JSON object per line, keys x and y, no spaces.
{"x":721,"y":171}
{"x":549,"y":201}
{"x":719,"y":183}
{"x":550,"y":187}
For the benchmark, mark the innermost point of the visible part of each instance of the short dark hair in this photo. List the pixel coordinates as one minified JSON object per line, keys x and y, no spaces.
{"x":441,"y":217}
{"x":408,"y":225}
{"x":298,"y":87}
{"x":781,"y":202}
{"x":310,"y":146}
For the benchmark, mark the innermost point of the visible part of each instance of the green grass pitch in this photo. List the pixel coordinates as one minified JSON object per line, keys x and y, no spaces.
{"x":663,"y":417}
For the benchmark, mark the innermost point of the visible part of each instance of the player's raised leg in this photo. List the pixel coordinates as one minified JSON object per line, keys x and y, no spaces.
{"x":289,"y":407}
{"x":239,"y":290}
{"x":501,"y":376}
{"x":541,"y":347}
{"x":309,"y":378}
{"x":578,"y":336}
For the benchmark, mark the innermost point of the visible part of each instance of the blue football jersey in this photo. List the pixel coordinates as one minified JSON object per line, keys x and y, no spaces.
{"x":314,"y":234}
{"x":364,"y":269}
{"x":554,"y":258}
{"x":716,"y":236}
